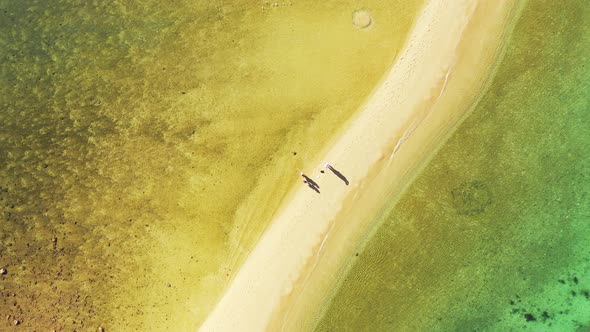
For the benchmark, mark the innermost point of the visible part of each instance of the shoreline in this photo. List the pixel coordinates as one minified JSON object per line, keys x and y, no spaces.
{"x":304,"y":307}
{"x":390,"y":124}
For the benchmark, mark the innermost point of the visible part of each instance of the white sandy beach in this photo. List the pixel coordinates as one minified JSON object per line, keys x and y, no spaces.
{"x":389,"y":122}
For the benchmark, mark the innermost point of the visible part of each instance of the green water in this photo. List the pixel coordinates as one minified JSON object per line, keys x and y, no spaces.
{"x":494,"y":235}
{"x":138,"y":140}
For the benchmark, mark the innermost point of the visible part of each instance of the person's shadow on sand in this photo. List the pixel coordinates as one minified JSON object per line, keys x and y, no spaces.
{"x":311,"y":183}
{"x":314,"y":188}
{"x":338,"y":174}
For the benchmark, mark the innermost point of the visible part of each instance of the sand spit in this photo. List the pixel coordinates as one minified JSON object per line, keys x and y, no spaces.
{"x":397,"y":125}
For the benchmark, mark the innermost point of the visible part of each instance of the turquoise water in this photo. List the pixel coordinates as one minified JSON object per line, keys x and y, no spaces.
{"x":494,"y":235}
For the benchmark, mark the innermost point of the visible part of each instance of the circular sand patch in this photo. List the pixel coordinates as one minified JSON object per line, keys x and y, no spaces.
{"x":362,"y":19}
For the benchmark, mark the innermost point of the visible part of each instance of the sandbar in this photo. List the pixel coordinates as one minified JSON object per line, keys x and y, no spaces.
{"x":379,"y":150}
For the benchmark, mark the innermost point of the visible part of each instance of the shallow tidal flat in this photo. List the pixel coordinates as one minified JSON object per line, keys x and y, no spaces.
{"x":493,"y":234}
{"x":137,"y":142}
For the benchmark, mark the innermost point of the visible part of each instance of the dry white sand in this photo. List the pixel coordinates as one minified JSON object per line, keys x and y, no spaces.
{"x":300,"y":229}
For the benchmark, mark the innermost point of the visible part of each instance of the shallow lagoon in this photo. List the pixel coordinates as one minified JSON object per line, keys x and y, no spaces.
{"x":138,"y":141}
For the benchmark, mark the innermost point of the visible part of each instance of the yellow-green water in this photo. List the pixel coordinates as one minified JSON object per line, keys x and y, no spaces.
{"x":494,"y":234}
{"x":145,"y":145}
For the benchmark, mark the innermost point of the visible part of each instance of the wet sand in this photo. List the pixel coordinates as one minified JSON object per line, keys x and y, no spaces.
{"x":429,"y":88}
